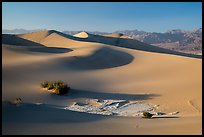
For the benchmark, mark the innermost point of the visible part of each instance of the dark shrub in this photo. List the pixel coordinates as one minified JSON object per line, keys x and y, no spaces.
{"x":58,"y":87}
{"x":147,"y":115}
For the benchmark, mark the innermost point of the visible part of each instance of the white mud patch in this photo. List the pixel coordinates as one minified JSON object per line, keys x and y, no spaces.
{"x":112,"y":107}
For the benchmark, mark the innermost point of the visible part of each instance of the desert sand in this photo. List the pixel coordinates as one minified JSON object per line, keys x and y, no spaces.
{"x":103,"y":67}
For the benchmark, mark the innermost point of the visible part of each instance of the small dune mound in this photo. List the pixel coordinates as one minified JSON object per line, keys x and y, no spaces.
{"x":82,"y":34}
{"x":115,"y":35}
{"x":102,"y":58}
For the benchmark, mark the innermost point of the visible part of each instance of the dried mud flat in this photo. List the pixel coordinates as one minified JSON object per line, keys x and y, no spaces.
{"x":116,"y":108}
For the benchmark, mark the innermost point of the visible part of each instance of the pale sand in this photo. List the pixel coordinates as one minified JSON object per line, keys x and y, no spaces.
{"x":173,"y":82}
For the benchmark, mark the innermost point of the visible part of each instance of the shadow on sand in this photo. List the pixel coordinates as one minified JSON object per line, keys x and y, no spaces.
{"x":75,"y":93}
{"x":102,"y":58}
{"x":165,"y":117}
{"x":32,"y":113}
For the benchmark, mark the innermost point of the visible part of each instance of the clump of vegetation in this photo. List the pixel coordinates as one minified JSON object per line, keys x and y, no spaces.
{"x":57,"y":87}
{"x":147,"y":115}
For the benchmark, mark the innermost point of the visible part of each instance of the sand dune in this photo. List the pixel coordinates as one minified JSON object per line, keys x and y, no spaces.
{"x":57,"y":40}
{"x":82,"y":35}
{"x":98,"y":67}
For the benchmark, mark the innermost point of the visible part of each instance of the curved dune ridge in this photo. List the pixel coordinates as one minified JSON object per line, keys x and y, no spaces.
{"x":82,"y":34}
{"x":12,"y":42}
{"x":102,"y":58}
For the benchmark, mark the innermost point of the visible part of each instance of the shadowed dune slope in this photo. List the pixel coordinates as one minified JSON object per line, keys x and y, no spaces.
{"x":14,"y":40}
{"x":102,"y":58}
{"x":36,"y":49}
{"x":11,"y":42}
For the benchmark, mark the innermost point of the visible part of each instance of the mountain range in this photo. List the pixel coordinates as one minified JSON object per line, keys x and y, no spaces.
{"x":179,"y":40}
